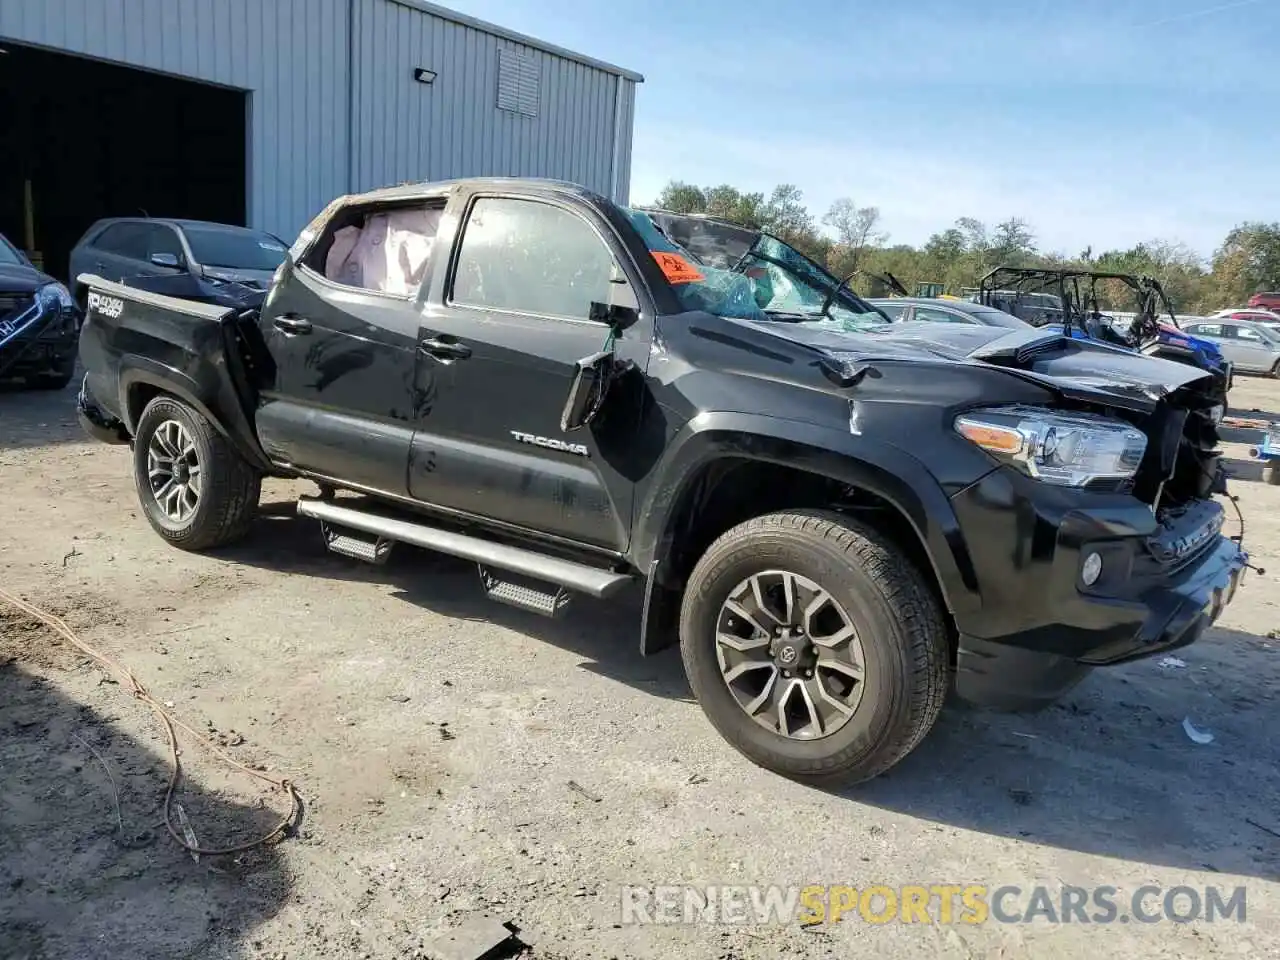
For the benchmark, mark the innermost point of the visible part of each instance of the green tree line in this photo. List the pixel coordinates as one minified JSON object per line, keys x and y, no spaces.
{"x":849,"y":239}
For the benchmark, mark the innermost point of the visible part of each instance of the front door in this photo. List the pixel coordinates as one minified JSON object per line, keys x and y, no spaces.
{"x":340,"y":400}
{"x":1253,"y":349}
{"x":500,"y":339}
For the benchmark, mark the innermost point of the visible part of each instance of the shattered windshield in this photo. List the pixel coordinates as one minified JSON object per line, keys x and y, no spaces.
{"x":770,"y":281}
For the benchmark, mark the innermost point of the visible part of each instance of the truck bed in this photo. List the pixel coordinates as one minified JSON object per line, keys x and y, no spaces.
{"x":136,"y":343}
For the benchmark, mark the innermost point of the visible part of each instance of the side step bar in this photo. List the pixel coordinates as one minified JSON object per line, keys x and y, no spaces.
{"x":370,"y":551}
{"x":576,"y":576}
{"x":529,"y":596}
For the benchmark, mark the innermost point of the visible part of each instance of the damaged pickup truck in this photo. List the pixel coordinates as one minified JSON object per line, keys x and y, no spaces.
{"x":838,"y":518}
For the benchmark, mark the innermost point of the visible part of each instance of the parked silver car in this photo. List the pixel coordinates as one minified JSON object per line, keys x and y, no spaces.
{"x":1251,"y":347}
{"x":916,"y":309}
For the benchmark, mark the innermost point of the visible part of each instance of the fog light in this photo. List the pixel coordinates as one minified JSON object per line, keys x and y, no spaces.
{"x":1091,"y":570}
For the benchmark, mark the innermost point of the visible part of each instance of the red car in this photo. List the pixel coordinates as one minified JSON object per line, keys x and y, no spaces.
{"x":1257,"y":315}
{"x":1267,"y":301}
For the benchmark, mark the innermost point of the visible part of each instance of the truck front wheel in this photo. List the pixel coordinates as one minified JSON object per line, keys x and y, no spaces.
{"x":195,"y":489}
{"x":814,"y":646}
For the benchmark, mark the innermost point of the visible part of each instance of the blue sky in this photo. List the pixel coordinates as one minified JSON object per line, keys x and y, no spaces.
{"x":1101,"y":122}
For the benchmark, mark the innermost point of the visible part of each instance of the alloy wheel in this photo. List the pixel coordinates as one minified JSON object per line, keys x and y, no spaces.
{"x":790,"y":655}
{"x":173,"y":471}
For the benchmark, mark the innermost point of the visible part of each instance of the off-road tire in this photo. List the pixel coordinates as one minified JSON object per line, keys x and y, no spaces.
{"x":58,"y":379}
{"x":898,"y":619}
{"x":230,"y":487}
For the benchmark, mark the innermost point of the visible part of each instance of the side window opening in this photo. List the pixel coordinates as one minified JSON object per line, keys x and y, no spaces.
{"x":938,"y":316}
{"x":124,"y":240}
{"x":527,"y":256}
{"x":384,"y":248}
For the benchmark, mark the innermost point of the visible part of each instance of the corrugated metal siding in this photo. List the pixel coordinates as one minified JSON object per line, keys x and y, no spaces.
{"x":627,"y":122}
{"x":292,"y":58}
{"x":453,"y":127}
{"x":292,"y":55}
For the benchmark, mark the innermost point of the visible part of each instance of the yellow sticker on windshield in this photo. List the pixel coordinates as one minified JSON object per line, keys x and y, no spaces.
{"x":676,"y":268}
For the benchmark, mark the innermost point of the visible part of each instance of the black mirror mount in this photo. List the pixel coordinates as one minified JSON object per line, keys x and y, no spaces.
{"x":587,"y":391}
{"x":612,"y":315}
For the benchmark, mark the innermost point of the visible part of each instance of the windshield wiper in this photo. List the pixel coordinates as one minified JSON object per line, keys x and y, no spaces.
{"x":832,"y":293}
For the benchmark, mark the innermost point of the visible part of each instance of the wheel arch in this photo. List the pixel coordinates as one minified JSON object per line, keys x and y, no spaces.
{"x":142,"y":379}
{"x":729,"y":468}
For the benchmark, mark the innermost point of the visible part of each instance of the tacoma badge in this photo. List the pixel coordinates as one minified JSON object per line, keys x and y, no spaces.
{"x":551,"y":444}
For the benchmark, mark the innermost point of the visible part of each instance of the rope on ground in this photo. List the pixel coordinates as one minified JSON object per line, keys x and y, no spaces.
{"x":170,"y":722}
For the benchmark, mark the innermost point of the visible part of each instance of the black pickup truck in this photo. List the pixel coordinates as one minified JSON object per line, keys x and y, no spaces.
{"x":838,"y":517}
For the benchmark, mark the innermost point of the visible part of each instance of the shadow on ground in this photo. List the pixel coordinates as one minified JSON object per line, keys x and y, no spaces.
{"x":605,"y":633}
{"x":38,"y":418}
{"x":1254,"y":413}
{"x":1253,"y":471}
{"x":75,"y":884}
{"x":1109,"y":771}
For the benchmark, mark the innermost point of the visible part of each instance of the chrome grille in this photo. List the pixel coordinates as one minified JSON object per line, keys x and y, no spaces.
{"x":15,"y":302}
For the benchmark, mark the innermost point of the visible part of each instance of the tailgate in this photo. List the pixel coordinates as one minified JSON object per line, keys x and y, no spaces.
{"x":109,"y":301}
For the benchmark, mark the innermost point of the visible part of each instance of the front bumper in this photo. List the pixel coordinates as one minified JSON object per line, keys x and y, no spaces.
{"x":40,"y":340}
{"x":1041,"y":629}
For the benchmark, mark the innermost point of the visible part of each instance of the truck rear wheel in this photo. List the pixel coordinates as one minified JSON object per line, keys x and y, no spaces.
{"x":814,"y":646}
{"x":196,"y":490}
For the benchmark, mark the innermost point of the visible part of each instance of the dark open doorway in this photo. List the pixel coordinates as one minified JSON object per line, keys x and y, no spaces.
{"x":99,"y":140}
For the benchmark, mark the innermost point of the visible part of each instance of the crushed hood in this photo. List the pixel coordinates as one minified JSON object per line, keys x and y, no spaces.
{"x":257,"y":279}
{"x":1080,"y":369}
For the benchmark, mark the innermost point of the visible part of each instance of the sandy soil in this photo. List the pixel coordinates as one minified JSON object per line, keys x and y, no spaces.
{"x":434,"y":736}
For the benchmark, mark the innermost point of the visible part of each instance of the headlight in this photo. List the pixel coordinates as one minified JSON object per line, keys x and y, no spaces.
{"x":54,"y":295}
{"x":1069,"y":449}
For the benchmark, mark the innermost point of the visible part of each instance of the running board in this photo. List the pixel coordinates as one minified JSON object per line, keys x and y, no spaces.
{"x":567,"y":573}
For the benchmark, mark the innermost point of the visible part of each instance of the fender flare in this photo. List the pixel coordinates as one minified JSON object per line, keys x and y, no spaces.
{"x":886,"y":471}
{"x":232,"y":423}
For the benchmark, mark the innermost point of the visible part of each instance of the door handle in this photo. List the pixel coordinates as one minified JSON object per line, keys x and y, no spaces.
{"x":292,"y":324}
{"x":445,"y":349}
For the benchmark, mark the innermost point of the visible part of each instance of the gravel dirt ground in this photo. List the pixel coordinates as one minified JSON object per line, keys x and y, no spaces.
{"x":435,"y":737}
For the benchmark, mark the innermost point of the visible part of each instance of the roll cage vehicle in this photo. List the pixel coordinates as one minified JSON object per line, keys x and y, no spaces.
{"x":1154,"y":331}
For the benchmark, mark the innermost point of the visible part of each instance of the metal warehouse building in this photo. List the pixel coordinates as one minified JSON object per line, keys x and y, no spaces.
{"x":259,"y":112}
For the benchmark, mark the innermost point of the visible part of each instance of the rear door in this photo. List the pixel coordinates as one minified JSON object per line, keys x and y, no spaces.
{"x":120,"y":251}
{"x":341,"y":326}
{"x":1214,"y":333}
{"x":504,"y":329}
